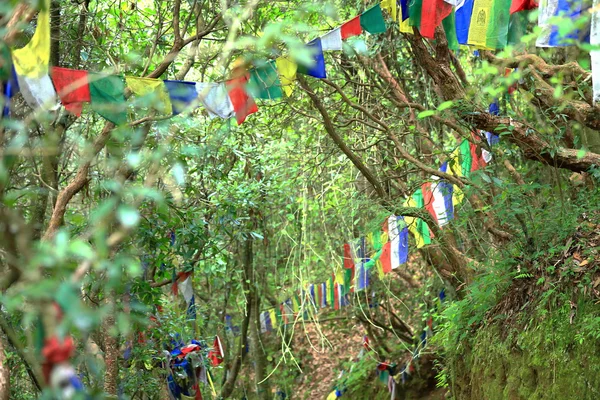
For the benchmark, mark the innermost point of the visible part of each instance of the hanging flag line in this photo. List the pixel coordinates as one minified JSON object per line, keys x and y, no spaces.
{"x":483,"y":24}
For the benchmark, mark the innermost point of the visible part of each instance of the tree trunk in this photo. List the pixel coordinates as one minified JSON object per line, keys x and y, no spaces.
{"x":111,"y":352}
{"x":4,"y":373}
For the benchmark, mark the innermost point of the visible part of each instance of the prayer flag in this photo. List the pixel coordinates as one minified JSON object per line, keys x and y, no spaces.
{"x":31,"y":64}
{"x":454,"y":168}
{"x":11,"y":87}
{"x":182,"y":95}
{"x":273,"y":318}
{"x":449,"y":24}
{"x":215,"y":99}
{"x":372,"y":20}
{"x":243,"y":103}
{"x":517,"y":27}
{"x":463,"y":21}
{"x":332,"y":40}
{"x":217,"y":353}
{"x":391,"y":6}
{"x":480,"y":20}
{"x":403,"y":10}
{"x":268,"y":323}
{"x":521,"y":5}
{"x":264,"y":82}
{"x":295,"y":303}
{"x":287,"y":73}
{"x":497,"y":33}
{"x":323,"y":295}
{"x":477,"y":161}
{"x":568,"y":10}
{"x":424,"y":231}
{"x":336,"y":296}
{"x":348,"y":279}
{"x":442,"y":199}
{"x":107,"y":93}
{"x":405,"y":27}
{"x":73,"y":88}
{"x":362,"y":280}
{"x":414,"y":11}
{"x":403,"y":240}
{"x":184,"y":283}
{"x":348,"y":260}
{"x":386,"y":258}
{"x":428,"y":200}
{"x":466,"y":158}
{"x":351,"y":28}
{"x":317,"y":67}
{"x":432,"y":14}
{"x":151,"y":93}
{"x":398,"y":241}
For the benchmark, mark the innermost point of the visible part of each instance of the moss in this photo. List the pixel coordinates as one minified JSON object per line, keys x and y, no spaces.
{"x":550,"y":358}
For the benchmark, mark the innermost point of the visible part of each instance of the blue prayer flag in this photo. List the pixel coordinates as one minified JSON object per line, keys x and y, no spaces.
{"x":317,"y":67}
{"x":182,"y":95}
{"x":463,"y":21}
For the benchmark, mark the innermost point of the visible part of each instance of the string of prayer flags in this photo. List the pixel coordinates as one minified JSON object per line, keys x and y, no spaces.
{"x":107,"y":93}
{"x":351,"y":28}
{"x":417,"y":226}
{"x":264,"y":82}
{"x":150,"y":93}
{"x":287,"y":74}
{"x":317,"y":68}
{"x":463,"y":15}
{"x":215,"y":99}
{"x":72,"y":87}
{"x":432,"y":14}
{"x":182,"y":95}
{"x":332,"y":40}
{"x":372,"y":20}
{"x":31,"y":64}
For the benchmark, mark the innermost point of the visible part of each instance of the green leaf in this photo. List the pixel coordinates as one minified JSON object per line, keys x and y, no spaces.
{"x":445,"y":105}
{"x":425,"y":114}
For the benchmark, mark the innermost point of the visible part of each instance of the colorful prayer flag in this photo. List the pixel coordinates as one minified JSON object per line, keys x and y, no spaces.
{"x":496,"y":36}
{"x":391,"y":6}
{"x":11,"y":87}
{"x":215,"y":99}
{"x":182,"y":95}
{"x":217,"y":353}
{"x":273,"y":318}
{"x":480,"y":20}
{"x":150,"y":93}
{"x":386,"y":258}
{"x":323,"y":293}
{"x":73,"y":88}
{"x":351,"y":28}
{"x":414,"y":11}
{"x":432,"y":14}
{"x":442,"y":199}
{"x":521,"y":5}
{"x":243,"y":103}
{"x":449,"y":24}
{"x":466,"y":158}
{"x":454,"y":168}
{"x":332,"y":40}
{"x":463,"y":21}
{"x":264,"y":82}
{"x":317,"y":67}
{"x":517,"y":27}
{"x":287,"y":73}
{"x":336,"y":296}
{"x":398,"y":241}
{"x":372,"y":20}
{"x":107,"y":93}
{"x":404,"y":11}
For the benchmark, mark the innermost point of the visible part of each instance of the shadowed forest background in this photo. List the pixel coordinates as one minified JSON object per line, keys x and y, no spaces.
{"x":269,"y":225}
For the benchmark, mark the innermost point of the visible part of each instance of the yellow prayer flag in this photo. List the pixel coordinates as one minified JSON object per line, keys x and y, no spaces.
{"x":391,"y":7}
{"x":146,"y":86}
{"x":33,"y":59}
{"x":405,"y":26}
{"x":332,"y":396}
{"x":411,"y":222}
{"x":339,"y":276}
{"x":287,"y":74}
{"x":454,"y":168}
{"x":273,"y":317}
{"x":295,"y":304}
{"x":480,"y":20}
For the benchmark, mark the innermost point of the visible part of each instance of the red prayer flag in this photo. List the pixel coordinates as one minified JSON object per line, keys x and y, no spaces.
{"x":428,"y":199}
{"x":386,"y":260}
{"x":477,"y":160}
{"x":216,"y":354}
{"x":432,"y":14}
{"x":348,"y":261}
{"x":243,"y":103}
{"x":351,"y":28}
{"x":72,"y":87}
{"x":521,"y":5}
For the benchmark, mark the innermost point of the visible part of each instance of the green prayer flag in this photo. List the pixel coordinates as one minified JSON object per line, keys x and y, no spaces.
{"x":264,"y":82}
{"x":466,"y":160}
{"x":348,"y":272}
{"x":422,"y":227}
{"x":107,"y":94}
{"x":517,"y":27}
{"x":331,"y":291}
{"x":372,"y":20}
{"x":497,"y":32}
{"x":414,"y":13}
{"x":449,"y":24}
